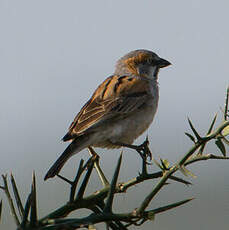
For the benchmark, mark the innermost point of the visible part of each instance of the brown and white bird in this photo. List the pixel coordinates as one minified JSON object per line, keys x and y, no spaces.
{"x":120,"y":109}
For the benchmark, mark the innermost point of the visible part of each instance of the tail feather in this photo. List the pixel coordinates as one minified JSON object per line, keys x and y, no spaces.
{"x":76,"y":146}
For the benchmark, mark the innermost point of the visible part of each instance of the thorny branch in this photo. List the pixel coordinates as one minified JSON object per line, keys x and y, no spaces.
{"x":100,"y":202}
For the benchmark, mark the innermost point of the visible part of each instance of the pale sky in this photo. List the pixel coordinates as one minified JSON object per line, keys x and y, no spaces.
{"x":53,"y":55}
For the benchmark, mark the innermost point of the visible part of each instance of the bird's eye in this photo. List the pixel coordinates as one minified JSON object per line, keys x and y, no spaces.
{"x":145,"y":62}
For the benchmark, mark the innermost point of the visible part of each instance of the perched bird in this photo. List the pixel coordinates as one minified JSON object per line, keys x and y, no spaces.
{"x":120,"y":109}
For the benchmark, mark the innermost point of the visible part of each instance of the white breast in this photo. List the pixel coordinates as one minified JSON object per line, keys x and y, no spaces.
{"x":128,"y":129}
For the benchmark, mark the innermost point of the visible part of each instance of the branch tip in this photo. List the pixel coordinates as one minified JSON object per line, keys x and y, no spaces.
{"x":108,"y":205}
{"x":33,"y":212}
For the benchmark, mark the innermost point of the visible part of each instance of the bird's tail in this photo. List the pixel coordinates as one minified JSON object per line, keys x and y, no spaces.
{"x":76,"y":146}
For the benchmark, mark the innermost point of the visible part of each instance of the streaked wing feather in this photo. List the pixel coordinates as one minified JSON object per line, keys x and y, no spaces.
{"x":91,"y":117}
{"x":119,"y":99}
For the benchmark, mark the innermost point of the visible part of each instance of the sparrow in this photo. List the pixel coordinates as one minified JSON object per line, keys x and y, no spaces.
{"x":120,"y":109}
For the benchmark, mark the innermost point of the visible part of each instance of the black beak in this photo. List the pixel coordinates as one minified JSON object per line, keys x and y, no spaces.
{"x":163,"y":63}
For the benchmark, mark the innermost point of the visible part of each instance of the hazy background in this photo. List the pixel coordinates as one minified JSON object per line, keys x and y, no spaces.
{"x":54,"y":53}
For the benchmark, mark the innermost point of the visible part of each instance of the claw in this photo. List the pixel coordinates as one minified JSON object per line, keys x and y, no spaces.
{"x":144,"y":150}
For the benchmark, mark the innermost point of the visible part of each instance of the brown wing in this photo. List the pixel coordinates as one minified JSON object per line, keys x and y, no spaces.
{"x":116,"y":96}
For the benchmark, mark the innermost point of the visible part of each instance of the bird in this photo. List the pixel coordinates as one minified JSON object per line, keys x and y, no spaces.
{"x":120,"y":110}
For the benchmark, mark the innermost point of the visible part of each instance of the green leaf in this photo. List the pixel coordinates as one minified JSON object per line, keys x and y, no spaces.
{"x":225,"y":131}
{"x":186,"y":172}
{"x":91,"y":227}
{"x":190,"y":136}
{"x":151,"y":215}
{"x":157,"y":164}
{"x":221,"y":146}
{"x":165,"y":163}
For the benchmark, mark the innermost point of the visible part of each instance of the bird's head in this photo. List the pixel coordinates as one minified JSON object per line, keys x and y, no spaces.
{"x":143,"y":63}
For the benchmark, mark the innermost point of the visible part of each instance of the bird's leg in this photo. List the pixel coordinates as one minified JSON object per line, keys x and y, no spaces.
{"x":142,"y":149}
{"x":93,"y":153}
{"x":97,"y":166}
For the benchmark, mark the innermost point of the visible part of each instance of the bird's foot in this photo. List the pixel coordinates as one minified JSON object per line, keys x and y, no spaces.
{"x":142,"y":149}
